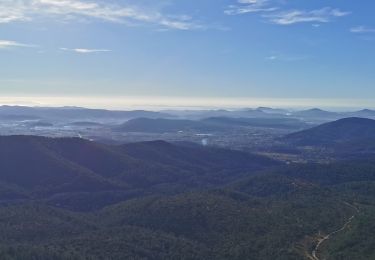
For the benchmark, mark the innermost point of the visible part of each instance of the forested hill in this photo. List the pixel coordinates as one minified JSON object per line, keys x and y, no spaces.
{"x":340,"y":131}
{"x":68,"y":167}
{"x":69,"y":198}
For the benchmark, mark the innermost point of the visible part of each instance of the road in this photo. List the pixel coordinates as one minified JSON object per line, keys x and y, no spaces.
{"x":327,"y":237}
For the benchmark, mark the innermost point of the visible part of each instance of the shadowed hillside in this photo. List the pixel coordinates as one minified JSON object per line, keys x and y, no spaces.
{"x":69,"y":198}
{"x":67,"y":168}
{"x":340,"y":131}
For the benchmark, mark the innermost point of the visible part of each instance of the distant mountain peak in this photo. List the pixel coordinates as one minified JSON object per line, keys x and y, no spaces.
{"x":316,"y":110}
{"x":264,"y":108}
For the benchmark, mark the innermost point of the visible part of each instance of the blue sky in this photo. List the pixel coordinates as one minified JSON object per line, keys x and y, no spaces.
{"x":223,"y":49}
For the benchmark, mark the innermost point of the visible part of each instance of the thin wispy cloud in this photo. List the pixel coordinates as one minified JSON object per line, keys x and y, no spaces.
{"x":11,"y":44}
{"x":323,"y":15}
{"x":275,"y":14}
{"x":250,"y":6}
{"x":272,"y":58}
{"x":362,"y":29}
{"x":286,"y":57}
{"x":28,"y":10}
{"x":85,"y":51}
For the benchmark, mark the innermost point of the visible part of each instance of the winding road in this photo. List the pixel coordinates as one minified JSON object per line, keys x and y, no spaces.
{"x":327,"y":237}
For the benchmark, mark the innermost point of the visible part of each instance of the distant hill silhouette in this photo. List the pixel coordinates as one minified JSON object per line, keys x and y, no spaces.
{"x":54,"y":113}
{"x":211,"y":124}
{"x":340,"y":131}
{"x":316,"y":113}
{"x":364,"y":113}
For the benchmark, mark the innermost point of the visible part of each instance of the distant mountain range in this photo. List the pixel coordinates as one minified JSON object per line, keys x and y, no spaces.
{"x":279,"y":123}
{"x":27,"y":113}
{"x":23,"y":113}
{"x":244,"y":113}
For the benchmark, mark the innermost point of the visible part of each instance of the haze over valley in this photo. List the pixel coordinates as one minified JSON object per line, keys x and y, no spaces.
{"x":92,"y":184}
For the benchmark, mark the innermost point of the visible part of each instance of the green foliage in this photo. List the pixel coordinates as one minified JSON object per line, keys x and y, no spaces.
{"x":74,"y":199}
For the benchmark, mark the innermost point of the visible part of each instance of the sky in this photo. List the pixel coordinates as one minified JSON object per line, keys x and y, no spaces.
{"x":116,"y":53}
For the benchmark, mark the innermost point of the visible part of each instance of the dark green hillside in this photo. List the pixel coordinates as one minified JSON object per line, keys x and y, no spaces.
{"x":69,"y":198}
{"x":77,"y":173}
{"x":128,"y":242}
{"x":32,"y":231}
{"x":26,"y":162}
{"x":334,"y":173}
{"x":235,"y":225}
{"x":98,"y":158}
{"x":356,"y":242}
{"x":197,"y":158}
{"x":272,"y":185}
{"x":34,"y":222}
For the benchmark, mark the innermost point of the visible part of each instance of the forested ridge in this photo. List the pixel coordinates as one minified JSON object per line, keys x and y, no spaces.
{"x":76,"y":199}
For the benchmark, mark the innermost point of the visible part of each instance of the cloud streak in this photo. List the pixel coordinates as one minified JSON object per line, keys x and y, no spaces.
{"x":249,"y":6}
{"x":323,"y":15}
{"x":275,"y":15}
{"x":27,"y":10}
{"x":362,"y":29}
{"x":85,"y":51}
{"x":286,"y":58}
{"x":10,"y":44}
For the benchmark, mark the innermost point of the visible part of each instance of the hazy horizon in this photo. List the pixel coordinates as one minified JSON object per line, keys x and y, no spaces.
{"x":178,"y":103}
